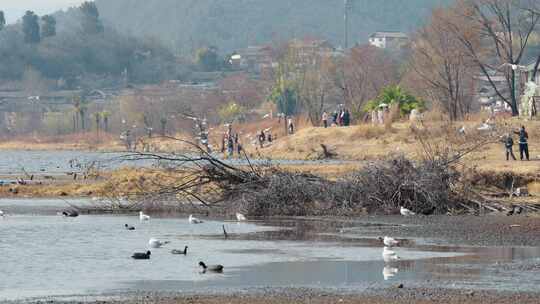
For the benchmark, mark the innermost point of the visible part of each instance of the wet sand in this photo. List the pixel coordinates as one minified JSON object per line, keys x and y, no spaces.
{"x":309,"y":296}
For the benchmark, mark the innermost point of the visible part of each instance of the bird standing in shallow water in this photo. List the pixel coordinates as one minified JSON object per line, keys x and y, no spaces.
{"x":194,"y":220}
{"x":406,"y":212}
{"x":240,"y":217}
{"x":143,"y":217}
{"x":388,"y":241}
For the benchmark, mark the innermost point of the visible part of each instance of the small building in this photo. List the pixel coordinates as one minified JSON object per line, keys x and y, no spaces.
{"x":393,"y":40}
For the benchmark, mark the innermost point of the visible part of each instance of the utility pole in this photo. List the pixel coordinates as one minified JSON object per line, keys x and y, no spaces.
{"x":347,"y":4}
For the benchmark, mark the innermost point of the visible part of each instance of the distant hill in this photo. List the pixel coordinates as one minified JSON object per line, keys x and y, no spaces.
{"x":233,"y":24}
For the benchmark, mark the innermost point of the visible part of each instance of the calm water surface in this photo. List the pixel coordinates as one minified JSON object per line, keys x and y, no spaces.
{"x":45,"y":255}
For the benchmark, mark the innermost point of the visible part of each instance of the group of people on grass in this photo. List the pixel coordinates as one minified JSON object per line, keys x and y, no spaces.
{"x":523,"y":145}
{"x":340,"y":117}
{"x":231,"y":142}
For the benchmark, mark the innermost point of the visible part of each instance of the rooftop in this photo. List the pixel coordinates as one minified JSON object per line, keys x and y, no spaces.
{"x":389,"y":35}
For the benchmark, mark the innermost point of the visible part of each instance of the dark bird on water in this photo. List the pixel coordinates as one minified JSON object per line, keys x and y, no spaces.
{"x":141,"y":255}
{"x":177,"y":251}
{"x":212,"y":268}
{"x":70,"y":213}
{"x":128,"y":227}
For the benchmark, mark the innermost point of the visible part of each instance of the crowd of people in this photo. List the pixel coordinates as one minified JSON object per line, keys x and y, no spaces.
{"x":340,"y":117}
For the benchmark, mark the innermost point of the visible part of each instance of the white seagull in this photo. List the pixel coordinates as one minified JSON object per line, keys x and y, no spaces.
{"x":389,"y":241}
{"x":240,"y":217}
{"x":389,"y":255}
{"x":406,"y":212}
{"x":155,"y":243}
{"x":1,"y":213}
{"x":194,"y":220}
{"x":143,"y":217}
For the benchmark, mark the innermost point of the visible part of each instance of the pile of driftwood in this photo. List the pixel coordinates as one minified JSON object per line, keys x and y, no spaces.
{"x":431,"y":186}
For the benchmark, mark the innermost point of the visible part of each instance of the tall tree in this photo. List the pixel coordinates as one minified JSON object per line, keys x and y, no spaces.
{"x":31,"y":27}
{"x":505,"y":27}
{"x":444,"y":68}
{"x":2,"y":20}
{"x":48,"y":26}
{"x":90,"y":21}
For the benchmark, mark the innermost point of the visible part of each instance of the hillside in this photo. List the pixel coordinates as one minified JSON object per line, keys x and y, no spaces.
{"x":230,"y":25}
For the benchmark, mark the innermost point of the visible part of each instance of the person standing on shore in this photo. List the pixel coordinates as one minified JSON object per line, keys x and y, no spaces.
{"x":325,"y":119}
{"x":508,"y":144}
{"x":523,"y":143}
{"x":291,"y":126}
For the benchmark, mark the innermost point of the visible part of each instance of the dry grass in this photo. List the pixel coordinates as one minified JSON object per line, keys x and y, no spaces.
{"x":79,"y":141}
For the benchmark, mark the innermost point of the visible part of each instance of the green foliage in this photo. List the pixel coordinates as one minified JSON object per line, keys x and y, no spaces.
{"x":285,"y":97}
{"x":2,"y":20}
{"x":231,"y":112}
{"x":31,"y":28}
{"x":207,"y":59}
{"x":48,"y":26}
{"x":90,"y":22}
{"x":395,"y":94}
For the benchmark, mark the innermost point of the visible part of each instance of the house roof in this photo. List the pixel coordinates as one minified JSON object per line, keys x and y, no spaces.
{"x":389,"y":35}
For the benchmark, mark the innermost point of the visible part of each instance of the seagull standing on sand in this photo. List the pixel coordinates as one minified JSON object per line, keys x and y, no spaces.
{"x":194,"y":220}
{"x":143,"y":217}
{"x":406,"y":212}
{"x":389,"y":241}
{"x":155,"y":243}
{"x":240,"y":217}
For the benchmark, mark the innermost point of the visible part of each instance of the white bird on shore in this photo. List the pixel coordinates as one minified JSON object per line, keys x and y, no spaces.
{"x":389,"y":255}
{"x":389,"y":241}
{"x":240,"y":217}
{"x":143,"y":217}
{"x":194,"y":220}
{"x":155,"y":243}
{"x":389,"y":272}
{"x":1,"y":213}
{"x":406,"y":212}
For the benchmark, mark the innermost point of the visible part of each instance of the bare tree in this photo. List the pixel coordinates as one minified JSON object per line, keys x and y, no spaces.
{"x":505,"y":27}
{"x":443,"y":66}
{"x":362,"y":74}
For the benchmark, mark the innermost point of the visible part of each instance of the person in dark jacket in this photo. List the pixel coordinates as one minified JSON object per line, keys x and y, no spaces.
{"x":508,"y":144}
{"x":346,"y":118}
{"x":523,"y":143}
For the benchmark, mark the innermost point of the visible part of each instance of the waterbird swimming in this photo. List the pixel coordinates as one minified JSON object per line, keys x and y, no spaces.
{"x":155,"y":243}
{"x":213,"y":268}
{"x":240,"y":217}
{"x":128,"y":227}
{"x":70,"y":213}
{"x":389,"y":241}
{"x":143,"y":217}
{"x":406,"y":212}
{"x":177,"y":251}
{"x":141,"y":255}
{"x":194,"y":220}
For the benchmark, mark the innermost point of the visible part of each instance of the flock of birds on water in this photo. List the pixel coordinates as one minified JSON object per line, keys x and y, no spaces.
{"x":388,"y":254}
{"x":156,"y":243}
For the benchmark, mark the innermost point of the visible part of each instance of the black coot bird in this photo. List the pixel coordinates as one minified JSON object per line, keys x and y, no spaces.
{"x":212,"y":268}
{"x":70,"y":213}
{"x":128,"y":227}
{"x":177,"y":251}
{"x":141,"y":255}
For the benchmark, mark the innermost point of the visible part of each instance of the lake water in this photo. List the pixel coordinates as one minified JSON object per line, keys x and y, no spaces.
{"x":16,"y":162}
{"x":45,"y":255}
